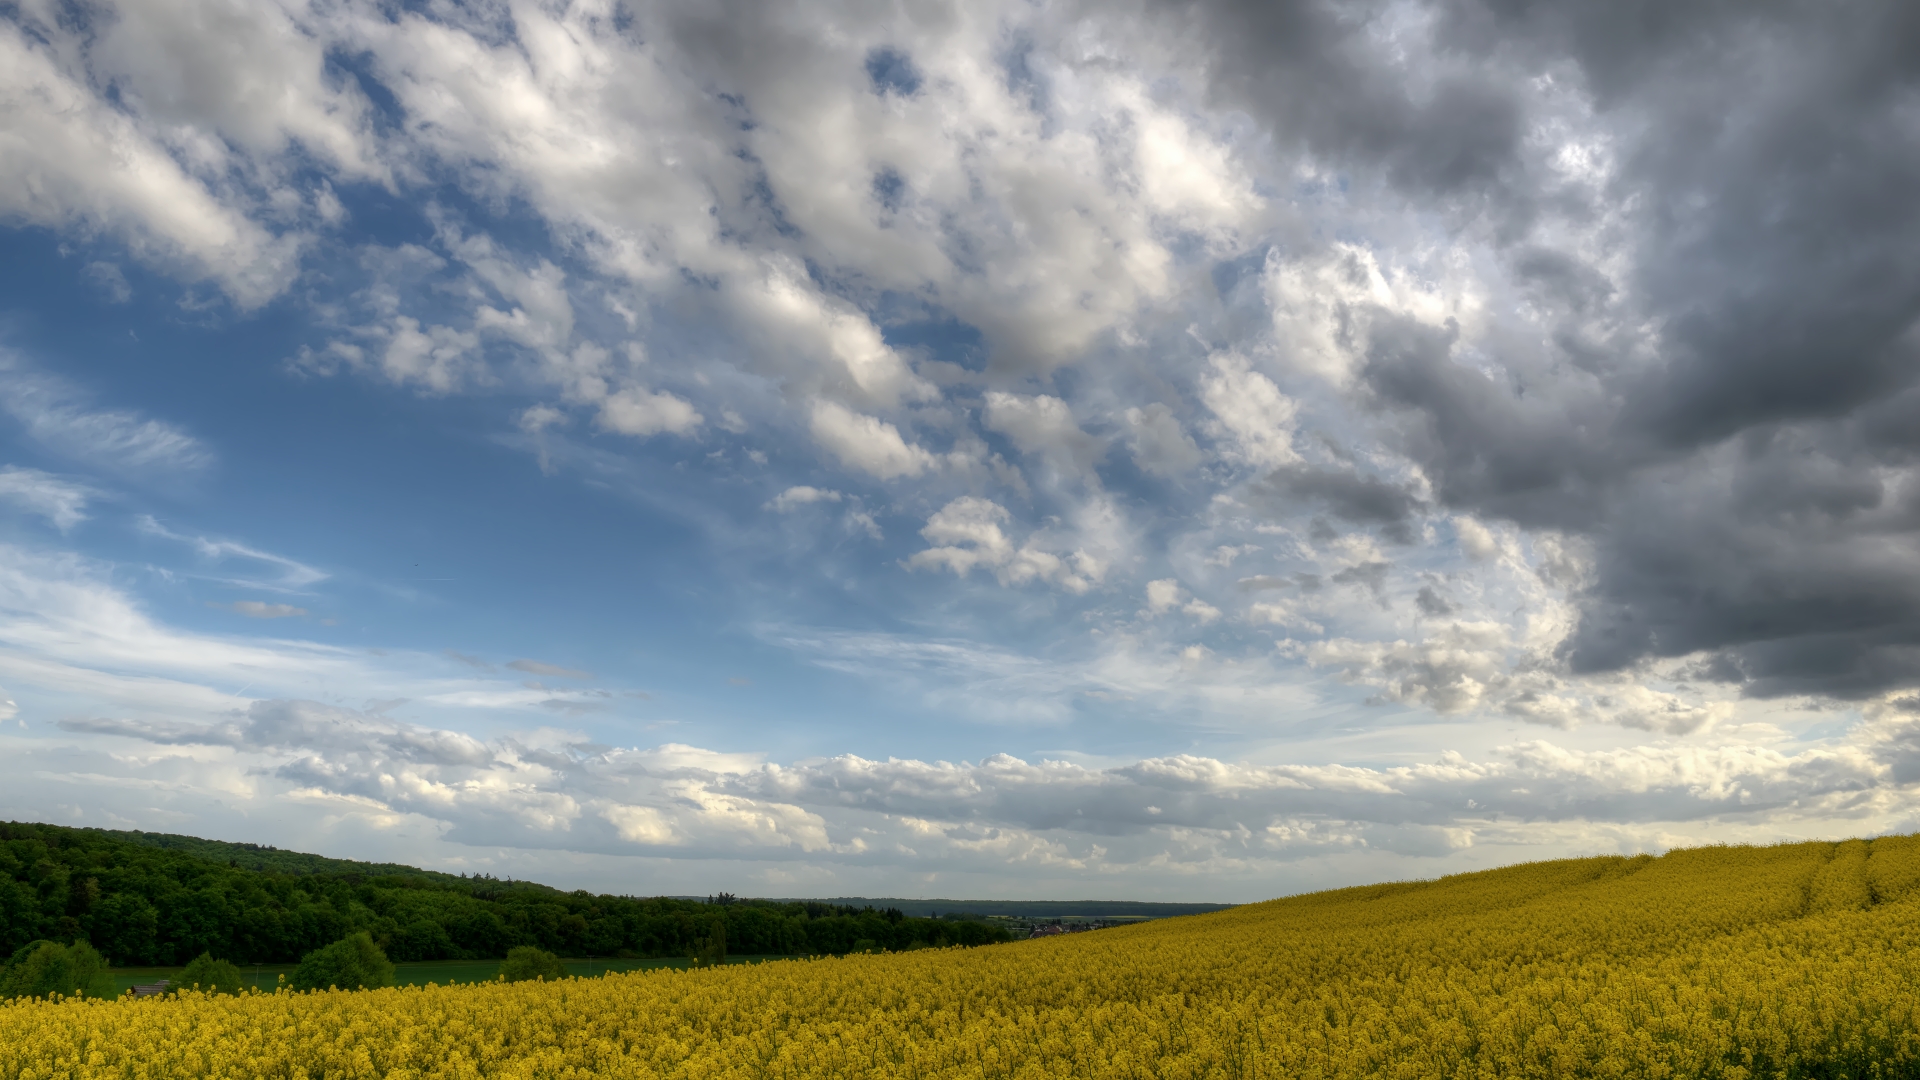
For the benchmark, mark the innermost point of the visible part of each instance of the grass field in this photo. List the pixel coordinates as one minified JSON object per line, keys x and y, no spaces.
{"x":436,"y":972}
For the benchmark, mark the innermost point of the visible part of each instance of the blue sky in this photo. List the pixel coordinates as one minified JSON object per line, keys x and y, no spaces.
{"x":988,"y":450}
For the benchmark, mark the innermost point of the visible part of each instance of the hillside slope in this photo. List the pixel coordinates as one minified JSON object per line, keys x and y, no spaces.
{"x":1031,"y":909}
{"x":1737,"y":963}
{"x":151,"y":899}
{"x":268,"y":859}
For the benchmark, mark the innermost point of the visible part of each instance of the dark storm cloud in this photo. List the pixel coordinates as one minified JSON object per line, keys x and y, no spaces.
{"x":1319,"y":74}
{"x":1728,"y":413}
{"x":1543,"y":456}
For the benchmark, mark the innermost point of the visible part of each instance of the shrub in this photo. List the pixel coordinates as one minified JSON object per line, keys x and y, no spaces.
{"x":210,"y":975}
{"x":525,"y":962}
{"x":40,"y":968}
{"x":352,"y":963}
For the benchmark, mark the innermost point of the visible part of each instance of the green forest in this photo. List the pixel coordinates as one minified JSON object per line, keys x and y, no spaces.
{"x":150,"y":899}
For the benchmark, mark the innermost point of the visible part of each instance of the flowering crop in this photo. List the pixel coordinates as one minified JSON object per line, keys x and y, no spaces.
{"x":1790,"y":961}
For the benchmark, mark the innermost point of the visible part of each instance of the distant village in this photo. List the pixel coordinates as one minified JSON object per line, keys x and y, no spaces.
{"x":1028,"y":927}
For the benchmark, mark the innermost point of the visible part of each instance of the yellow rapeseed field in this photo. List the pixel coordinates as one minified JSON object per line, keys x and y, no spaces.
{"x":1790,"y":961}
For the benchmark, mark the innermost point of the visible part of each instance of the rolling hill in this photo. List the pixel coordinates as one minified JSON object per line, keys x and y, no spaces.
{"x":1795,"y":961}
{"x":155,"y":899}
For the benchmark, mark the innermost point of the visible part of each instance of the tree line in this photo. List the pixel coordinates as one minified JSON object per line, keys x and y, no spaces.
{"x":141,"y":903}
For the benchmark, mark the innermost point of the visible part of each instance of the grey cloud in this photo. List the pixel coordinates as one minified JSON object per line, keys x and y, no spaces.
{"x":1714,"y":406}
{"x":283,"y":726}
{"x":1796,"y":573}
{"x":1530,"y":782}
{"x":1307,"y":583}
{"x":305,"y":725}
{"x":1572,"y":284}
{"x":1351,"y":496}
{"x":1160,"y":445}
{"x":1540,"y":460}
{"x":163,"y":734}
{"x":1370,"y":575}
{"x":1324,"y":77}
{"x":1043,"y":427}
{"x":570,"y":708}
{"x":536,"y":667}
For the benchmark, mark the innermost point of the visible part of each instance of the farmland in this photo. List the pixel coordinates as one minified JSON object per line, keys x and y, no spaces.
{"x":429,"y":973}
{"x":1790,"y":961}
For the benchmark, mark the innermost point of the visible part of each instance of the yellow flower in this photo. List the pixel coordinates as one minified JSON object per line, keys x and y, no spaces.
{"x":1734,"y":963}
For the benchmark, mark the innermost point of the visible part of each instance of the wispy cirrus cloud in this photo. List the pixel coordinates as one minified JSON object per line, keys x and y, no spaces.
{"x":291,"y":574}
{"x":59,"y":416}
{"x":61,"y":501}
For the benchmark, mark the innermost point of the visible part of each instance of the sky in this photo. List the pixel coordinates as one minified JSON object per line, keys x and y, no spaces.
{"x":1188,"y":451}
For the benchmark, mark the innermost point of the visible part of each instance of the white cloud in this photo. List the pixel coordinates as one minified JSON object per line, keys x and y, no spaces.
{"x":1166,"y":594}
{"x":802,"y":495}
{"x":73,"y":160}
{"x":967,"y":533}
{"x":1324,"y":305}
{"x":1475,"y":539}
{"x":438,"y":358}
{"x":538,"y":418}
{"x":867,"y":443}
{"x":1184,"y":812}
{"x":256,"y":609}
{"x":292,"y":574}
{"x":68,"y":632}
{"x":1283,"y":613}
{"x":1163,"y":595}
{"x":1250,"y":412}
{"x":202,"y":64}
{"x":1452,"y":670}
{"x":1043,"y":427}
{"x":70,"y":636}
{"x":60,"y":501}
{"x":856,"y":361}
{"x":634,"y":411}
{"x":856,"y":518}
{"x":1224,"y":555}
{"x":1160,"y":445}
